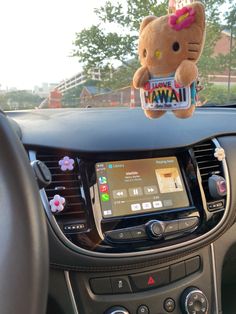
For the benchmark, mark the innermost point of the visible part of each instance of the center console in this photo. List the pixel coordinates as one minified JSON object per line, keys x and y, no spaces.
{"x":132,"y":206}
{"x":136,"y":202}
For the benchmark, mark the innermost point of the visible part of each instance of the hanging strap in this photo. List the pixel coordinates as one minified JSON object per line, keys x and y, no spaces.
{"x":175,"y":5}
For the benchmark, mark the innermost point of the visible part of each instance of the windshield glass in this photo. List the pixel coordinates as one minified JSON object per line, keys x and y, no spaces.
{"x":58,"y":54}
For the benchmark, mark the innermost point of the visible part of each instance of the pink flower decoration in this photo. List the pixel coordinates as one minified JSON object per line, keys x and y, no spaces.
{"x":183,"y":18}
{"x":57,"y":204}
{"x":66,"y":163}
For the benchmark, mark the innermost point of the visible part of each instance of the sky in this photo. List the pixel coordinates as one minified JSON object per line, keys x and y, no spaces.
{"x":37,"y":40}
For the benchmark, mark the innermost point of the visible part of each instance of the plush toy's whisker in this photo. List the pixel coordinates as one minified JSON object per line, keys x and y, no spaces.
{"x":193,"y":54}
{"x":193,"y":50}
{"x":194,"y":44}
{"x":192,"y":59}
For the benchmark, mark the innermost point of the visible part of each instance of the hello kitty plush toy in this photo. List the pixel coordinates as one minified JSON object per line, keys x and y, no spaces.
{"x":169,"y":48}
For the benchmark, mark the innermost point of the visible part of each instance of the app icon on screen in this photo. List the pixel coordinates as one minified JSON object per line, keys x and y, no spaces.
{"x":105,"y":197}
{"x":103,"y":188}
{"x":102,"y":180}
{"x":110,"y":166}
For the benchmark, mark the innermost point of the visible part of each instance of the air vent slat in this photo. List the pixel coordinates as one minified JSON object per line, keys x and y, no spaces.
{"x":67,"y":184}
{"x":204,"y":150}
{"x":204,"y":162}
{"x":209,"y":167}
{"x":208,"y":174}
{"x":204,"y":156}
{"x":59,"y":183}
{"x":202,"y":145}
{"x":58,"y":175}
{"x":68,"y":189}
{"x":70,"y":213}
{"x":71,"y":198}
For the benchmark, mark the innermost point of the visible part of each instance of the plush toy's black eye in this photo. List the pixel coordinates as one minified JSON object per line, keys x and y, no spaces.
{"x":176,"y":46}
{"x":144,"y":53}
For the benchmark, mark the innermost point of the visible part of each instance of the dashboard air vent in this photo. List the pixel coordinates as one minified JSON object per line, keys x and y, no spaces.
{"x":208,"y":165}
{"x":67,"y":184}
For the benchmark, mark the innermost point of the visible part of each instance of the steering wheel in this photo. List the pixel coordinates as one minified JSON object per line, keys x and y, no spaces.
{"x":24,"y":261}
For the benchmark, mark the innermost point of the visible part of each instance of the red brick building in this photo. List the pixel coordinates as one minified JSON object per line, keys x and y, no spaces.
{"x":223,"y":47}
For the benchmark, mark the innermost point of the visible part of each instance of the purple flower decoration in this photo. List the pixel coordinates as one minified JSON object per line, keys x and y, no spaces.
{"x":182,"y":18}
{"x":66,"y":163}
{"x":57,"y":204}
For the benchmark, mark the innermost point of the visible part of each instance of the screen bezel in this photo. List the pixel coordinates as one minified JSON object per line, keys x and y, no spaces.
{"x":98,"y":225}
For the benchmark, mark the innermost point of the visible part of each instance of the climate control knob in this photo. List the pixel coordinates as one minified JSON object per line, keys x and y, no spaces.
{"x":194,"y":301}
{"x":117,"y":310}
{"x":155,"y":229}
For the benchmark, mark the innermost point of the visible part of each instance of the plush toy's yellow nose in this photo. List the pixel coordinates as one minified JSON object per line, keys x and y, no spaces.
{"x":158,"y":54}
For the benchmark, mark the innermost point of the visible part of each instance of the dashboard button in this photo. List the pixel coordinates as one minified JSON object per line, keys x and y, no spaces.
{"x":169,"y":305}
{"x":177,"y":271}
{"x":171,"y":226}
{"x":143,"y":309}
{"x":150,"y":280}
{"x":119,"y":235}
{"x":155,"y":229}
{"x":72,"y":228}
{"x":101,"y":285}
{"x":138,"y":233}
{"x":192,"y":265}
{"x":188,"y":224}
{"x":216,"y":205}
{"x":120,"y":285}
{"x":117,"y":310}
{"x":194,"y":301}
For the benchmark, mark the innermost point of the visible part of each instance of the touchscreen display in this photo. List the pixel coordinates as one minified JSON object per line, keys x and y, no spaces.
{"x":139,"y":186}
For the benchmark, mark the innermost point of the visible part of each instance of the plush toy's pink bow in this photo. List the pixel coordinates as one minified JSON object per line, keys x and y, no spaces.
{"x":182,"y":18}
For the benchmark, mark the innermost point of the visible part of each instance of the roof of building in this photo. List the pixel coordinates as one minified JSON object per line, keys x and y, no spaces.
{"x":94,"y":90}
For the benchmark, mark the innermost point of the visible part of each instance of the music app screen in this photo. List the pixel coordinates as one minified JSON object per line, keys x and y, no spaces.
{"x":139,"y":186}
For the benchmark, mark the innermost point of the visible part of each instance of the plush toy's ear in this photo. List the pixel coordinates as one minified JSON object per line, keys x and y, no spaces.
{"x":146,"y":21}
{"x":200,"y":14}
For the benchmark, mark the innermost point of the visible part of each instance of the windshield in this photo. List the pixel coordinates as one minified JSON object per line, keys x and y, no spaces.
{"x":76,"y":54}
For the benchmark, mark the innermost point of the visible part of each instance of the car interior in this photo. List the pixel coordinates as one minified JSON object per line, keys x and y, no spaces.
{"x":120,"y":262}
{"x":105,"y":211}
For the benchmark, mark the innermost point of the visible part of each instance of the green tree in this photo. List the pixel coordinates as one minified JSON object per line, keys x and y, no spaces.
{"x":3,"y":102}
{"x":231,"y":62}
{"x":97,"y":47}
{"x":122,"y":76}
{"x":21,"y":100}
{"x":71,"y":97}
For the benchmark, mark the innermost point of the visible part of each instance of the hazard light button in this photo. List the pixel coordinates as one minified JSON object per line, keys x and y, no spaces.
{"x":150,"y":280}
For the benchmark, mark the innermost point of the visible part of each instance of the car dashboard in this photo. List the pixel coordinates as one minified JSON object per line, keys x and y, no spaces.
{"x":141,"y":217}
